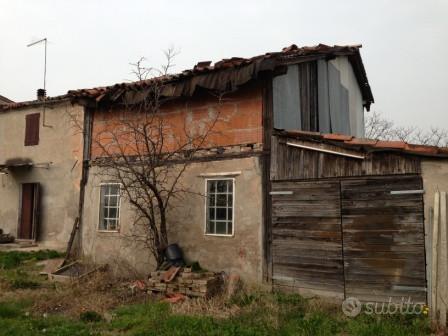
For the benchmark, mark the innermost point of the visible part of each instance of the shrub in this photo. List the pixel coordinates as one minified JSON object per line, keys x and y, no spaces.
{"x":24,"y":283}
{"x":9,"y":310}
{"x":90,"y":316}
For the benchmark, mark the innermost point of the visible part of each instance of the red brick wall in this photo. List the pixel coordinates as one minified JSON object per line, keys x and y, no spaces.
{"x":238,"y":118}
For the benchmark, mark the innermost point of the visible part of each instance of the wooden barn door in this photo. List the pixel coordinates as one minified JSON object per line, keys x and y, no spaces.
{"x":306,"y":238}
{"x":383,"y":238}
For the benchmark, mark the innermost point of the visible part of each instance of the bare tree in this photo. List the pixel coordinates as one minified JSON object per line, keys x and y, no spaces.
{"x":147,"y":153}
{"x":142,"y":72}
{"x":379,"y":127}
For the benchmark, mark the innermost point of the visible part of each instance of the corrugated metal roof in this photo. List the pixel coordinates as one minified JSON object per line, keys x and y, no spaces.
{"x":366,"y":145}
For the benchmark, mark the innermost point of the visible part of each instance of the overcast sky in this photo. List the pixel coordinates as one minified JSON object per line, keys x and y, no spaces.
{"x":92,"y":42}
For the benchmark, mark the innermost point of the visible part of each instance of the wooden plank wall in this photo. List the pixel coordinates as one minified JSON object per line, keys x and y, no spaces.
{"x":383,"y":235}
{"x":306,"y":238}
{"x":350,"y":237}
{"x":439,"y":260}
{"x":295,"y":163}
{"x":308,"y":96}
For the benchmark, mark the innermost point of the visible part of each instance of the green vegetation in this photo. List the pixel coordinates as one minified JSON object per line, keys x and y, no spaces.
{"x":18,"y":269}
{"x":90,"y":316}
{"x":157,"y":319}
{"x":13,"y":259}
{"x":252,"y":313}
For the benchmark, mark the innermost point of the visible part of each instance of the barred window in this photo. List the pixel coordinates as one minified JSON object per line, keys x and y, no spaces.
{"x":109,"y":207}
{"x":219,"y":207}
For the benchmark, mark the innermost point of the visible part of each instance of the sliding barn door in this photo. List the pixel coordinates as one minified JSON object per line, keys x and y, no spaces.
{"x":306,"y":238}
{"x":383,"y":237}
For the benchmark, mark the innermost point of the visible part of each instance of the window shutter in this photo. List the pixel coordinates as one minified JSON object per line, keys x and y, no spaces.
{"x":32,"y":129}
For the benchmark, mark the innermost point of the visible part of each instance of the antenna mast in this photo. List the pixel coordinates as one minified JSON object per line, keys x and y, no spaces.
{"x":44,"y":40}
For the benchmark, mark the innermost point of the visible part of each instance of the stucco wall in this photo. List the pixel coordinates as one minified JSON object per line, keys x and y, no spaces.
{"x":435,"y":177}
{"x":61,"y":146}
{"x":241,"y":253}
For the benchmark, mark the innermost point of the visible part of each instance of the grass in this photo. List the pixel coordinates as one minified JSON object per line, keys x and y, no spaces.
{"x":98,"y":309}
{"x":156,"y":318}
{"x":18,"y":269}
{"x":13,"y":259}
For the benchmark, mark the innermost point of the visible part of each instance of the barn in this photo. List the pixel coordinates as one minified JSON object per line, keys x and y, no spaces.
{"x":353,"y":217}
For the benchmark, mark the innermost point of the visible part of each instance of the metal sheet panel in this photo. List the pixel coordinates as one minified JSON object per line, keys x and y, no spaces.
{"x":344,"y":111}
{"x":338,"y":102}
{"x":334,"y":93}
{"x":287,"y":100}
{"x":322,"y":93}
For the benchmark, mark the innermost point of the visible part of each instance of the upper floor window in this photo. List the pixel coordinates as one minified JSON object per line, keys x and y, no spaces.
{"x":109,"y":207}
{"x":219,"y":206}
{"x":32,"y":129}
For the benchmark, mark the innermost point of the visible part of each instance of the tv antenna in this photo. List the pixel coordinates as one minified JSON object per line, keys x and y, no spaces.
{"x":44,"y":93}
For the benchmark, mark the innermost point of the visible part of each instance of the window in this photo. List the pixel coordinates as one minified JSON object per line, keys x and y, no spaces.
{"x":219,"y":206}
{"x":109,"y":207}
{"x":32,"y":129}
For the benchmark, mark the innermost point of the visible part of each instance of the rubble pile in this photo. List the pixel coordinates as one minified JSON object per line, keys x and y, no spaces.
{"x":185,"y":281}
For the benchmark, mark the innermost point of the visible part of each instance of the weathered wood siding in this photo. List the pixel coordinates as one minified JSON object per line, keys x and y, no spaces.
{"x":350,"y":237}
{"x":383,"y":239}
{"x":308,"y":96}
{"x":306,"y":233}
{"x":295,"y":163}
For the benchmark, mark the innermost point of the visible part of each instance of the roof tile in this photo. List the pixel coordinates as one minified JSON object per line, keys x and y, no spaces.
{"x":287,"y":55}
{"x":391,"y":144}
{"x":338,"y":137}
{"x":422,"y":149}
{"x":366,"y":145}
{"x":361,"y":142}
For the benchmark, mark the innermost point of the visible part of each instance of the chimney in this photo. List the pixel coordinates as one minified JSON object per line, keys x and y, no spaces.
{"x":41,"y":94}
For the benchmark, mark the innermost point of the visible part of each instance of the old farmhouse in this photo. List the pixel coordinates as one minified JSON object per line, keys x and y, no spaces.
{"x":286,"y":189}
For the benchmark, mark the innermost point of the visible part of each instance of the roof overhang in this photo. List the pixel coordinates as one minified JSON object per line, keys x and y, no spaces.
{"x":15,"y":164}
{"x":357,"y":148}
{"x":224,"y":76}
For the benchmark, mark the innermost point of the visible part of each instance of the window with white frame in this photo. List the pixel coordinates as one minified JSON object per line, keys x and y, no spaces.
{"x":219,"y":206}
{"x":109,"y":207}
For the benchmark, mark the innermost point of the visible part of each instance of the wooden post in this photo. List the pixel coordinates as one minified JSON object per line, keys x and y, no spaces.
{"x":442,"y":292}
{"x":70,"y":241}
{"x":435,"y":242}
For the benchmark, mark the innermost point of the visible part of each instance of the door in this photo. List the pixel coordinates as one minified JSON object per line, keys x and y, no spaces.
{"x":384,"y":240}
{"x":360,"y":238}
{"x":29,"y":212}
{"x":306,"y":238}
